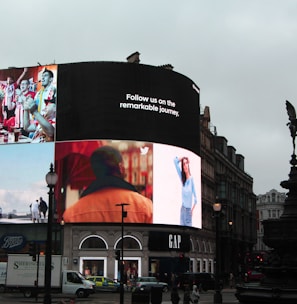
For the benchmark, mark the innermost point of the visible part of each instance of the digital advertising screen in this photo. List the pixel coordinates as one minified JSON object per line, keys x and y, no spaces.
{"x":117,"y":134}
{"x":129,"y":102}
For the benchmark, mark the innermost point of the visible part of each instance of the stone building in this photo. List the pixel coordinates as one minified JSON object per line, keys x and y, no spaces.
{"x":160,"y":250}
{"x":269,"y":206}
{"x":224,"y":180}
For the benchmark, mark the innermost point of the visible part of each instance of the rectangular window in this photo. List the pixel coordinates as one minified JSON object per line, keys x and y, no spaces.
{"x":222,"y":189}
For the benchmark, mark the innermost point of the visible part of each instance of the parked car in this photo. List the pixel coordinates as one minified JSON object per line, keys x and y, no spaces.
{"x":203,"y":280}
{"x":104,"y":284}
{"x":253,"y":276}
{"x":145,"y":283}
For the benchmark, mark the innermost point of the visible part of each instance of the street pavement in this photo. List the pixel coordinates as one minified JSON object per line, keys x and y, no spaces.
{"x":228,"y":296}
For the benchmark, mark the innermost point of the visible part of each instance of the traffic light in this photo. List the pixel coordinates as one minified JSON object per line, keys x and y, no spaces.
{"x":33,"y":250}
{"x":118,"y":255}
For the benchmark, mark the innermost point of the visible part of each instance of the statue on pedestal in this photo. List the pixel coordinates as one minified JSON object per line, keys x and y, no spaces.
{"x":293,"y":122}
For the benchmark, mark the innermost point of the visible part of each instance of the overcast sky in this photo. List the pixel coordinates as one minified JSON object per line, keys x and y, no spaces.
{"x":242,"y":55}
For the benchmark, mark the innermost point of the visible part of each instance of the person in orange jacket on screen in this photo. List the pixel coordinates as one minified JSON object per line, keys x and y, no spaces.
{"x":98,"y":203}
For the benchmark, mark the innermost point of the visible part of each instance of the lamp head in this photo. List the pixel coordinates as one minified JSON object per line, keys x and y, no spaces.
{"x":51,"y":177}
{"x":217,"y":207}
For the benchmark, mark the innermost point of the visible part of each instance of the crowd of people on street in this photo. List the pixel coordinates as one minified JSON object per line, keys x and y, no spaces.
{"x":189,"y":296}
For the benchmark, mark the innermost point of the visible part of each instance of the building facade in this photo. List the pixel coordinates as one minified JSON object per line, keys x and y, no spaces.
{"x":269,"y":206}
{"x":224,"y":180}
{"x":161,"y":250}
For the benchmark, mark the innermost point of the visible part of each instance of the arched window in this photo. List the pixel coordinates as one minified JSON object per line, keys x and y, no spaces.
{"x":130,"y":243}
{"x":198,"y":246}
{"x":204,"y":247}
{"x":273,"y":197}
{"x":192,"y":245}
{"x":210,"y":247}
{"x":93,"y":242}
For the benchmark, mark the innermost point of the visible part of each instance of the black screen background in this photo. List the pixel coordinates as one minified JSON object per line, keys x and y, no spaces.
{"x":89,"y":95}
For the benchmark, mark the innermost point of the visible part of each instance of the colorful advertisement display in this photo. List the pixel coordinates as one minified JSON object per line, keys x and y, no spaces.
{"x":117,"y":133}
{"x":28,"y":105}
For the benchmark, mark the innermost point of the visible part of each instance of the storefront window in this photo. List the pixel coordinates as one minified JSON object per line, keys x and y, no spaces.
{"x":93,"y":267}
{"x":199,"y":265}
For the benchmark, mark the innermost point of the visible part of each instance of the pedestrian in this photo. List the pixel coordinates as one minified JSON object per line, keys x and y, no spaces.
{"x":35,"y":212}
{"x":195,"y":296}
{"x":187,"y":296}
{"x":42,"y":208}
{"x":231,"y":280}
{"x":174,"y":295}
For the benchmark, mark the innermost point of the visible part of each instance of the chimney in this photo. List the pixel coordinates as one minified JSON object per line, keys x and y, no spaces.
{"x":133,"y":58}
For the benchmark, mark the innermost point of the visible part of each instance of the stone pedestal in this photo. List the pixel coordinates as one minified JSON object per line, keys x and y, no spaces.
{"x":280,"y":282}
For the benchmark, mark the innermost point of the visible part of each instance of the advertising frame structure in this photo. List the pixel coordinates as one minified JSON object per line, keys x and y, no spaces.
{"x":150,"y":115}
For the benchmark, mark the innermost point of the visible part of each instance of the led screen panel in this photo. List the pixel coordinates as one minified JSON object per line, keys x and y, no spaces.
{"x":28,"y":100}
{"x":127,"y":101}
{"x":28,"y":104}
{"x":149,"y":167}
{"x":23,"y":168}
{"x":151,"y":115}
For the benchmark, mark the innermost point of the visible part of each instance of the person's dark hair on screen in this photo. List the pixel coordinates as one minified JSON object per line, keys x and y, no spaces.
{"x":107,"y":161}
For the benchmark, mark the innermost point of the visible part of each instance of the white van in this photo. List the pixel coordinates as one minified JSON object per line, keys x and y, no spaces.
{"x":3,"y":268}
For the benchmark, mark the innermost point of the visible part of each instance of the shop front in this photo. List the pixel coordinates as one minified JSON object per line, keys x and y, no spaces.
{"x":148,"y":251}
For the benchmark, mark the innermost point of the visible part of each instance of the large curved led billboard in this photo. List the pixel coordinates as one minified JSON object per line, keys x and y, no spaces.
{"x":118,"y":133}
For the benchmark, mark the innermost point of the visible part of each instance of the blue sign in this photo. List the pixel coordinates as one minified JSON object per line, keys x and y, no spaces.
{"x":12,"y":242}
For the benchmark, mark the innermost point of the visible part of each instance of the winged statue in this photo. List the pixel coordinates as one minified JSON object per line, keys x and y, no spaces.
{"x":293,"y":122}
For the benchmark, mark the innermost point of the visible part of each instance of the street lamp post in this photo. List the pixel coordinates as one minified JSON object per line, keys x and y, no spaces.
{"x":51,"y":180}
{"x":217,"y":299}
{"x":231,"y":264}
{"x":124,"y":214}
